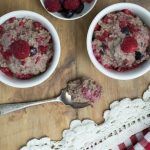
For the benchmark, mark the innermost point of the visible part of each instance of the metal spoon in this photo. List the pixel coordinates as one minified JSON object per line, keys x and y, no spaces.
{"x":64,"y":97}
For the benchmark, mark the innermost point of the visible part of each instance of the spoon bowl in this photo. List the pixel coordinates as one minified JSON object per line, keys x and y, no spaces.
{"x":64,"y":98}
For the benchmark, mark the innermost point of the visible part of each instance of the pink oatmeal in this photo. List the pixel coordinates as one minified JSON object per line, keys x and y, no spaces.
{"x":26,"y":48}
{"x":121,"y":41}
{"x":84,"y":90}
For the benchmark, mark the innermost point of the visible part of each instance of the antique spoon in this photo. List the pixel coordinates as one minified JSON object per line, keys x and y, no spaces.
{"x":64,"y":98}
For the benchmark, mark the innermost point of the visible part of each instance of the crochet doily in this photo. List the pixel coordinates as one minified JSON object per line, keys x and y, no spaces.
{"x":125,"y":118}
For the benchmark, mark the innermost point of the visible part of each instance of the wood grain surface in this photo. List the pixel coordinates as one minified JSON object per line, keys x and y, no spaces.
{"x":50,"y":119}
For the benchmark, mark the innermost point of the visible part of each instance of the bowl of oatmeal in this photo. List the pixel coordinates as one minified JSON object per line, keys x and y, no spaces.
{"x":29,"y":49}
{"x":118,"y":41}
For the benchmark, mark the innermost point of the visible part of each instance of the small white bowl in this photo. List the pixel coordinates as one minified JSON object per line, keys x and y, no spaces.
{"x":131,"y":74}
{"x":44,"y":76}
{"x":87,"y":8}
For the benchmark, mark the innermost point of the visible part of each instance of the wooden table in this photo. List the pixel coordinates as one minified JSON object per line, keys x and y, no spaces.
{"x":50,"y":119}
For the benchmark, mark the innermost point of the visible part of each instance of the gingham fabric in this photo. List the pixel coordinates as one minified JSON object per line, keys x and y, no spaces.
{"x":139,"y":141}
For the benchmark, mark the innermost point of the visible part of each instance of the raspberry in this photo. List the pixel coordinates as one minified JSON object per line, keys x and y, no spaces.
{"x":1,"y":47}
{"x":21,"y":23}
{"x":97,"y":28}
{"x":24,"y":76}
{"x":129,"y":45}
{"x":107,"y":19}
{"x":20,"y":49}
{"x":91,"y":94}
{"x":43,"y":49}
{"x":53,"y":5}
{"x":72,"y":4}
{"x":128,"y":12}
{"x":123,"y":23}
{"x":133,"y":28}
{"x":103,"y":36}
{"x":11,"y":20}
{"x":6,"y":71}
{"x":37,"y":25}
{"x":1,"y":29}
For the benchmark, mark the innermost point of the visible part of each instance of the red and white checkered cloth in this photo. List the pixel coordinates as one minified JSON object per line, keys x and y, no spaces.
{"x":139,"y":141}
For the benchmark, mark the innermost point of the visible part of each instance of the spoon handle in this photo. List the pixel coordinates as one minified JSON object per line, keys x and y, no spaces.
{"x":11,"y":107}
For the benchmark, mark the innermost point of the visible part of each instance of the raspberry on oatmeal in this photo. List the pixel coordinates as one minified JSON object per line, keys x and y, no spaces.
{"x":84,"y":90}
{"x":120,"y":41}
{"x":26,"y":47}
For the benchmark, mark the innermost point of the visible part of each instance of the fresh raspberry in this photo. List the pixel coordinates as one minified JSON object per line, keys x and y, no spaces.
{"x":133,"y":28}
{"x":103,"y":36}
{"x":6,"y":71}
{"x":53,"y":5}
{"x":129,"y":45}
{"x":97,"y":28}
{"x":72,"y":4}
{"x":128,"y":12}
{"x":1,"y":29}
{"x":24,"y":76}
{"x":107,"y":66}
{"x":20,"y":49}
{"x":107,"y":19}
{"x":1,"y":47}
{"x":21,"y":23}
{"x":11,"y":20}
{"x":43,"y":49}
{"x":123,"y":23}
{"x":37,"y":25}
{"x":91,"y":94}
{"x":98,"y":56}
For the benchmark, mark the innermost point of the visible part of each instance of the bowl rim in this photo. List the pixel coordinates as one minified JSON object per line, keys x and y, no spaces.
{"x":69,"y":19}
{"x":127,"y":75}
{"x":18,"y":83}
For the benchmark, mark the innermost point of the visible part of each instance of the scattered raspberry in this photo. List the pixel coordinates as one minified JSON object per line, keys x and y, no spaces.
{"x":103,"y":36}
{"x":98,"y":56}
{"x":107,"y":66}
{"x":128,"y":12}
{"x":43,"y":49}
{"x":129,"y":45}
{"x":37,"y":25}
{"x":11,"y":20}
{"x":107,"y":19}
{"x":24,"y":76}
{"x":20,"y":49}
{"x":72,"y":4}
{"x":97,"y":28}
{"x":133,"y":28}
{"x":6,"y":71}
{"x":91,"y":94}
{"x":1,"y":29}
{"x":53,"y":5}
{"x":123,"y":23}
{"x":21,"y":23}
{"x":1,"y":47}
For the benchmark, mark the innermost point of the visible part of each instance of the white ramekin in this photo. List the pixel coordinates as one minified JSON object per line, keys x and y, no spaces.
{"x":44,"y":76}
{"x":86,"y":10}
{"x":131,"y":74}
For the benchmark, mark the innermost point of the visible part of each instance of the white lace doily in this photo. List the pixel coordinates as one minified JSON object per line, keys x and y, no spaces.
{"x":124,"y":119}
